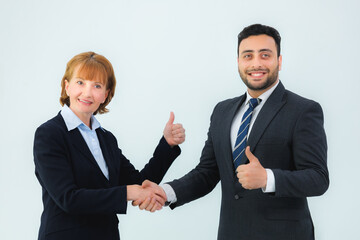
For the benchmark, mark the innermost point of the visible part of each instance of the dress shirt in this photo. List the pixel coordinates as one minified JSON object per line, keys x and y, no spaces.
{"x":89,"y":135}
{"x":270,"y":184}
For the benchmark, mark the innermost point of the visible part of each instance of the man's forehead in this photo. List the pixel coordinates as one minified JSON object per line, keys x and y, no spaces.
{"x":257,"y":43}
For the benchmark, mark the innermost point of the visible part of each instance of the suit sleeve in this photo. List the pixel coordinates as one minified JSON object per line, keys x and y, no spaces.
{"x":309,"y":147}
{"x":199,"y":181}
{"x":54,"y":171}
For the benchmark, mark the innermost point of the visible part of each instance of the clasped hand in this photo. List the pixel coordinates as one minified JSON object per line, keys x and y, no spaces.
{"x":148,"y":196}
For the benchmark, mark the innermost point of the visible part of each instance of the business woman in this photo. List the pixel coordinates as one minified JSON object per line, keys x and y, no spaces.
{"x":85,"y":178}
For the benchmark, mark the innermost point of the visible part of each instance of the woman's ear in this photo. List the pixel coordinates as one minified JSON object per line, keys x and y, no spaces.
{"x":106,"y":95}
{"x":66,"y":86}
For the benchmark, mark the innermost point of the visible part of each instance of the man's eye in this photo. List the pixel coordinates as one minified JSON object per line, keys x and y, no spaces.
{"x":265,"y":55}
{"x":247,"y":56}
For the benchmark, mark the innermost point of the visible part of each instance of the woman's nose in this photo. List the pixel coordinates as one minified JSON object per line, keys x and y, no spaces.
{"x":87,"y":90}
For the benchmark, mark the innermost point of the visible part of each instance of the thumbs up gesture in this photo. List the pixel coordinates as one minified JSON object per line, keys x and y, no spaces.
{"x":174,"y":134}
{"x":252,"y":175}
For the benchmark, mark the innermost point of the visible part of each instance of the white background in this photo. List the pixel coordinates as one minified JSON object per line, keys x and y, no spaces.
{"x":174,"y":56}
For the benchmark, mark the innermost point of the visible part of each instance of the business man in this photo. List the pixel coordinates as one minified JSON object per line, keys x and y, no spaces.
{"x":268,"y":148}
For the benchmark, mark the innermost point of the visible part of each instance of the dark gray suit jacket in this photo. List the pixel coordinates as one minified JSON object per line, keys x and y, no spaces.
{"x":287,"y":137}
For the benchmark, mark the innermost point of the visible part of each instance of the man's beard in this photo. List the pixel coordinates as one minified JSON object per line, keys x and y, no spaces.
{"x":268,"y":82}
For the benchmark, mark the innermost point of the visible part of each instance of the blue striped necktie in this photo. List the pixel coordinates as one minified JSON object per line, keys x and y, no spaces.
{"x":241,"y":139}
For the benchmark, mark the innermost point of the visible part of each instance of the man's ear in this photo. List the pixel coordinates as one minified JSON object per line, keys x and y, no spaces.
{"x":280,"y":62}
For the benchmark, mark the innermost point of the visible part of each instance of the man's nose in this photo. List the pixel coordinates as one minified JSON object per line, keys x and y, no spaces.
{"x":256,"y":63}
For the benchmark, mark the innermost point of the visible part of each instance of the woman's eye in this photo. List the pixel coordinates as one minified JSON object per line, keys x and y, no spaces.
{"x":79,"y":82}
{"x":98,"y":86}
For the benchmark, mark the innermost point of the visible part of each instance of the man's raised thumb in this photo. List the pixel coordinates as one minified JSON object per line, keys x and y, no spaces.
{"x":250,"y":155}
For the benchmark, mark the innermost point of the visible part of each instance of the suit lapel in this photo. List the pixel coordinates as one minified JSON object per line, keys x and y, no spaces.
{"x":80,"y":144}
{"x":228,"y":119}
{"x":78,"y":141}
{"x":104,"y":145}
{"x":266,"y":115}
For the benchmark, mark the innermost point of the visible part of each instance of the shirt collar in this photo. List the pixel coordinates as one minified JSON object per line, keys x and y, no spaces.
{"x":72,"y":121}
{"x":263,"y":96}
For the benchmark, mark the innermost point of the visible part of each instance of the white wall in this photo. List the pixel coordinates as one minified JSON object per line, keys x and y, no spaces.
{"x":179,"y":56}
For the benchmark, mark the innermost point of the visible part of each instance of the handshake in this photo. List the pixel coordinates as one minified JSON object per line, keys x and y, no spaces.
{"x":148,"y":196}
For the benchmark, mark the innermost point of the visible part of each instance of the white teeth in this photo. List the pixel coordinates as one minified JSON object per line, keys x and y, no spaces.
{"x":257,"y":74}
{"x":84,"y":101}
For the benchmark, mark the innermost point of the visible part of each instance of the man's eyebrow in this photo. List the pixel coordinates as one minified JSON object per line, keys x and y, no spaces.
{"x":247,"y":51}
{"x":261,"y":50}
{"x":265,"y":50}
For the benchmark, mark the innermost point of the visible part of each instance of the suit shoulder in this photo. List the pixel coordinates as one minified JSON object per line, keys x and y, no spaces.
{"x":294,"y":98}
{"x":54,"y":125}
{"x":302,"y":105}
{"x":50,"y":135}
{"x":227,"y":102}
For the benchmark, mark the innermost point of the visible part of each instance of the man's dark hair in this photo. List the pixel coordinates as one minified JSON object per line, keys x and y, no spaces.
{"x":259,"y":29}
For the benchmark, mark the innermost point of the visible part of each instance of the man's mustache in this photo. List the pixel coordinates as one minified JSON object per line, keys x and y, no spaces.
{"x":258,"y":70}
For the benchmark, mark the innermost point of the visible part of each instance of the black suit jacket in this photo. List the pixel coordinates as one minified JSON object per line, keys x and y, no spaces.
{"x":79,"y":201}
{"x":287,"y":137}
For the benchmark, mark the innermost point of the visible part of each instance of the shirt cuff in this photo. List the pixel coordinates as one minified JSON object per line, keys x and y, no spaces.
{"x":270,"y":183}
{"x":170,"y":193}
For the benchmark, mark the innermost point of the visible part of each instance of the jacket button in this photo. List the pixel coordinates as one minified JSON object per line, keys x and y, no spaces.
{"x":236,"y":197}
